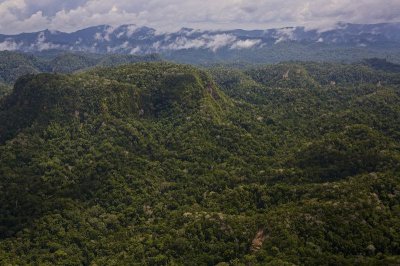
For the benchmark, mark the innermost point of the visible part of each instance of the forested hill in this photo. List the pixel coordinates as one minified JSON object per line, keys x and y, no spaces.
{"x":165,"y":164}
{"x":16,"y":64}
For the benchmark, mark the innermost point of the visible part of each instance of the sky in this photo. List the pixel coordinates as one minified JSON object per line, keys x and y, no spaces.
{"x":18,"y":16}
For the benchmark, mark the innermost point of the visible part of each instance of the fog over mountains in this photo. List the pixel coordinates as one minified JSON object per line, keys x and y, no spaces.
{"x":130,"y":39}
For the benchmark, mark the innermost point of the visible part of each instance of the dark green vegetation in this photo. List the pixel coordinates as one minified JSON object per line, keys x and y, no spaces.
{"x":382,"y":64}
{"x":14,"y":64}
{"x":162,"y":164}
{"x":286,"y":51}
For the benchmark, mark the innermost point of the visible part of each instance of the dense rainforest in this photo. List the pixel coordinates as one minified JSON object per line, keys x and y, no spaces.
{"x":15,"y":64}
{"x":165,"y":164}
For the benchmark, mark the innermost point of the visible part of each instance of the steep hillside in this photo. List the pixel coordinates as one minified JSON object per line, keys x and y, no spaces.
{"x":144,"y":90}
{"x":164,"y":164}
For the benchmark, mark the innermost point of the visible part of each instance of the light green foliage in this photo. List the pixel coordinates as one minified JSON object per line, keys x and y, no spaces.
{"x":4,"y":90}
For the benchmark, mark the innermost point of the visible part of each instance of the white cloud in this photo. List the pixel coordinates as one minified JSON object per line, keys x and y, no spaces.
{"x":220,"y":40}
{"x":206,"y":41}
{"x":9,"y":45}
{"x":131,"y":29}
{"x":123,"y":46}
{"x":136,"y":50}
{"x":184,"y":43}
{"x":47,"y":46}
{"x":98,"y":36}
{"x":284,"y":34}
{"x":42,"y":45}
{"x":104,"y":36}
{"x":168,"y":15}
{"x":245,"y":44}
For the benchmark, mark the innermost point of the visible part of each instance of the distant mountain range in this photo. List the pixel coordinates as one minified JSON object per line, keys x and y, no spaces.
{"x":185,"y":44}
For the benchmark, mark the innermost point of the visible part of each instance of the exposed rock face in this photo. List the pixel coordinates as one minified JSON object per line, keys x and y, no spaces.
{"x":258,"y":241}
{"x":286,"y":75}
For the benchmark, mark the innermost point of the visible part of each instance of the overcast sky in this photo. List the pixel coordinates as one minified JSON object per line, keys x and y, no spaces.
{"x":166,"y":15}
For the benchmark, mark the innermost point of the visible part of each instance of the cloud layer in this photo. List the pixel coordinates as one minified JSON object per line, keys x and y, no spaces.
{"x":167,"y":15}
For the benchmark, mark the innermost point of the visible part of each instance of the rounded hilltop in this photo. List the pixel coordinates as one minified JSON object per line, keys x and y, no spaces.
{"x":142,"y":90}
